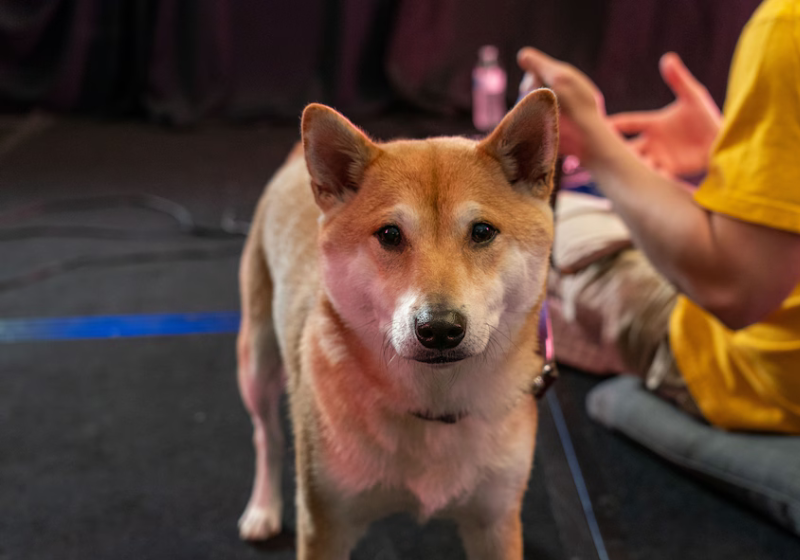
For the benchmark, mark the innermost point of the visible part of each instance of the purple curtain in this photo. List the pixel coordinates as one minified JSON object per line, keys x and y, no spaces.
{"x":180,"y":61}
{"x":637,"y":33}
{"x":618,"y":43}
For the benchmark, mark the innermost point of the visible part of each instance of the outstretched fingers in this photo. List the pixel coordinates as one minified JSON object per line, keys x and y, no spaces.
{"x":633,"y":122}
{"x":678,"y":77}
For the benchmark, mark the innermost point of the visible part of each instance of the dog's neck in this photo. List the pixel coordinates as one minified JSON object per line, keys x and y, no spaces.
{"x":416,"y":390}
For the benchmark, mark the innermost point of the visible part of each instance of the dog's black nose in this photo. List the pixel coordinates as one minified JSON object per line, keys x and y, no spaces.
{"x":440,"y":329}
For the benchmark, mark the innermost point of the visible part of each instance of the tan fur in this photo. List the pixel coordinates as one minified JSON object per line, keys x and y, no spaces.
{"x":325,"y":301}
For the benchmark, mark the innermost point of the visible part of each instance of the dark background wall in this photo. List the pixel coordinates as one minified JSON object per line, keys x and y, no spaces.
{"x":180,"y":61}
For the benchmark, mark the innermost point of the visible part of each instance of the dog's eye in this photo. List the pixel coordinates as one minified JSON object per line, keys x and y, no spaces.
{"x":389,"y":236}
{"x":483,"y":233}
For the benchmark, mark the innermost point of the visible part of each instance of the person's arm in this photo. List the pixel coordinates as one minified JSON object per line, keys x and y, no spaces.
{"x":735,"y":270}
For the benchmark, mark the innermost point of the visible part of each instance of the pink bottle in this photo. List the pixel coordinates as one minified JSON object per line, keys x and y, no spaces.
{"x":488,"y":90}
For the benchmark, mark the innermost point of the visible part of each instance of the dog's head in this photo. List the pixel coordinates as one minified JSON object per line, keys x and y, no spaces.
{"x":439,"y":246}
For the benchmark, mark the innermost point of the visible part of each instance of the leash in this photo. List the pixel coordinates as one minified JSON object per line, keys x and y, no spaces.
{"x":549,"y":373}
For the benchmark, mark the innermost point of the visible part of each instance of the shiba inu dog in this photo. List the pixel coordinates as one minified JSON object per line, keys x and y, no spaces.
{"x":394,"y":289}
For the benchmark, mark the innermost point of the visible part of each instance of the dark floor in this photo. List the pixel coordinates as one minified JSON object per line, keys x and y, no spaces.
{"x":140,"y":448}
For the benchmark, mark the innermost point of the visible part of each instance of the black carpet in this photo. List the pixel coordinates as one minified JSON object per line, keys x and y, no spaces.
{"x":648,"y":509}
{"x":140,"y":448}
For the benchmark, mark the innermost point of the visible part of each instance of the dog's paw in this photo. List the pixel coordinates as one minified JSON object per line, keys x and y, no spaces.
{"x":259,"y":523}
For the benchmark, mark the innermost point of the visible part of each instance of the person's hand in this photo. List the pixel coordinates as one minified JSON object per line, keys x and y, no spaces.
{"x":581,"y":103}
{"x":675,"y":140}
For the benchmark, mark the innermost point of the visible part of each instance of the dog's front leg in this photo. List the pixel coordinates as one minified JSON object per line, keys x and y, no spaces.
{"x":490,"y":522}
{"x":325,"y":541}
{"x":324,"y":532}
{"x":492,"y":539}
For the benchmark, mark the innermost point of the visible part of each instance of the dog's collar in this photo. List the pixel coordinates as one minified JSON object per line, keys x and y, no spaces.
{"x":443,"y":418}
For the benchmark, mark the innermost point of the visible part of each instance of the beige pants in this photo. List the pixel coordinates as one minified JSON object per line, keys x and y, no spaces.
{"x":612,"y":316}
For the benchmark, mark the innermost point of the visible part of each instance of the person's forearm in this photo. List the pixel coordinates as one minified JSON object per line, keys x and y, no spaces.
{"x":676,"y":234}
{"x":726,"y":265}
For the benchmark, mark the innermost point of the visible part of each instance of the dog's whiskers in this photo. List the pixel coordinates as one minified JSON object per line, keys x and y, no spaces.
{"x":494,"y":347}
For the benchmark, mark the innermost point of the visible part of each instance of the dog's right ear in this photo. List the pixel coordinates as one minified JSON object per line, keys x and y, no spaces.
{"x":337,"y":154}
{"x":526,"y":143}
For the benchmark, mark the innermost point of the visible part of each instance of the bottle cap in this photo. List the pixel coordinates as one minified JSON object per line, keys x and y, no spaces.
{"x":488,"y":53}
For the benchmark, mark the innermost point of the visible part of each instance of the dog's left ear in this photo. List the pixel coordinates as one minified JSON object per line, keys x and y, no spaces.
{"x":337,"y":153}
{"x":526,"y":143}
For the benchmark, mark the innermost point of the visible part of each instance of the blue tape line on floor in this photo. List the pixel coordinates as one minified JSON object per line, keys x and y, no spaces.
{"x":118,"y":326}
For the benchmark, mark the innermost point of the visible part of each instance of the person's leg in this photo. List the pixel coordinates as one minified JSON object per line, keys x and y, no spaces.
{"x":619,"y":303}
{"x":621,"y":306}
{"x":665,"y":380}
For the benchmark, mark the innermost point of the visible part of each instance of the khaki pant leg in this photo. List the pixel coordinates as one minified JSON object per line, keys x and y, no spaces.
{"x":624,"y":304}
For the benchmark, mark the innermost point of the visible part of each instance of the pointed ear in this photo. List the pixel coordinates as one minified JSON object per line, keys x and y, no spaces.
{"x":337,"y":153}
{"x":526,"y":143}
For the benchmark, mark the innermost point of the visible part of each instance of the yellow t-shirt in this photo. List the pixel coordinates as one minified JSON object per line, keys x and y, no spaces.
{"x":750,"y":379}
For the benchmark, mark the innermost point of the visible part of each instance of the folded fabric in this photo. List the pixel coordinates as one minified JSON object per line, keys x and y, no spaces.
{"x":587,"y":229}
{"x":579,"y":347}
{"x":761,"y":470}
